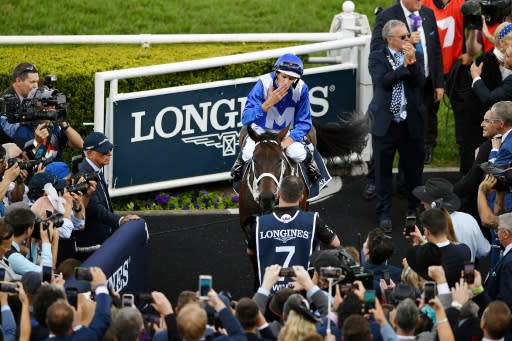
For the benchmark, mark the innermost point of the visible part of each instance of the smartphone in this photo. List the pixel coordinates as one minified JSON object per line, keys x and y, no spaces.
{"x":286,"y":272}
{"x":83,"y":274}
{"x":127,"y":300}
{"x":47,"y":274}
{"x":369,"y":300}
{"x":144,"y":298}
{"x":386,"y":276}
{"x":8,"y":287}
{"x":429,"y":291}
{"x":72,"y":296}
{"x":410,"y":224}
{"x":205,"y":285}
{"x":331,"y":272}
{"x":2,"y":274}
{"x":469,"y":272}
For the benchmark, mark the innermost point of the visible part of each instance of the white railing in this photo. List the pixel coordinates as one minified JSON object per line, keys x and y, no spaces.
{"x":147,"y":39}
{"x":364,"y":84}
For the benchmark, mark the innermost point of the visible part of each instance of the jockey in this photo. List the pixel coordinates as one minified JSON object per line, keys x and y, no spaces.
{"x":280,"y":99}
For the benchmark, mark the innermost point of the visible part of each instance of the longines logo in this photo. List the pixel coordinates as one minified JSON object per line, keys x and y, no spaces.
{"x":196,"y":120}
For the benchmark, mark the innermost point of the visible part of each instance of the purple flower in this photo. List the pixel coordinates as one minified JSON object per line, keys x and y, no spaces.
{"x":162,"y":199}
{"x":235,"y":198}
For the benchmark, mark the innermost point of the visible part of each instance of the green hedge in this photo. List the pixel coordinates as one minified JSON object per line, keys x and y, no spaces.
{"x":76,"y":66}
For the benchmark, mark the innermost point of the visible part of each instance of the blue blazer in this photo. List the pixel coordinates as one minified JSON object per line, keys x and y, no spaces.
{"x":503,"y":156}
{"x":429,"y":24}
{"x":98,"y":326}
{"x":100,"y":220}
{"x":384,"y":78}
{"x":488,"y":97}
{"x":499,"y":282}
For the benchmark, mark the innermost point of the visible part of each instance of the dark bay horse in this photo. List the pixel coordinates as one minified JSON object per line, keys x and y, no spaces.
{"x":269,"y":165}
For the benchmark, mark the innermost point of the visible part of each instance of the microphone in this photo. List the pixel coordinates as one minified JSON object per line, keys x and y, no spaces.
{"x":470,"y":7}
{"x":415,"y":22}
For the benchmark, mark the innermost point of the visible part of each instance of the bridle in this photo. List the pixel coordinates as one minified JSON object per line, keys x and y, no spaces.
{"x":256,"y":179}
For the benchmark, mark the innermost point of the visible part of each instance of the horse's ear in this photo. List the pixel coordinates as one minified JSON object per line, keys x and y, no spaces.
{"x":282,"y":133}
{"x":252,"y":133}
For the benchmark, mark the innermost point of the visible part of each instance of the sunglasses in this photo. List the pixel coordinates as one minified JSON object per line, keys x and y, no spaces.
{"x":289,"y":66}
{"x":403,"y":37}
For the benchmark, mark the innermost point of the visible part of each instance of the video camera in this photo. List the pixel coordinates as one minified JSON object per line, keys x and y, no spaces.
{"x":494,"y":11}
{"x":43,"y":103}
{"x":350,"y":270}
{"x":56,"y":218}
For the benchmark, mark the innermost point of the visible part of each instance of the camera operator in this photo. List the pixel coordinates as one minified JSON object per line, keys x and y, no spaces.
{"x":18,"y":191}
{"x":48,"y":137}
{"x":25,"y":254}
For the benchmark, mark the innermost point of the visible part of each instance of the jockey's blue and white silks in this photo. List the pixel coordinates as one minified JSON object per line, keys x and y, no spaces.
{"x":286,"y":240}
{"x":294,"y":109}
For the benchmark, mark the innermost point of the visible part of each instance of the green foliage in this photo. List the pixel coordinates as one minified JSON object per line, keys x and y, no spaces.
{"x":194,"y":199}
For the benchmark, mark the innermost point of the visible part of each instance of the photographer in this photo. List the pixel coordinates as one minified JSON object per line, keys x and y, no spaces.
{"x":22,"y":221}
{"x":61,"y":317}
{"x":17,"y":191}
{"x":48,"y":137}
{"x":8,"y":176}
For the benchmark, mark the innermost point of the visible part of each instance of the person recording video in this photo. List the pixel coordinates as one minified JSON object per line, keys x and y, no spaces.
{"x":27,"y":107}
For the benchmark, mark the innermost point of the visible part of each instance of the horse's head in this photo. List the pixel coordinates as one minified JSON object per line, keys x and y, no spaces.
{"x":268,"y":166}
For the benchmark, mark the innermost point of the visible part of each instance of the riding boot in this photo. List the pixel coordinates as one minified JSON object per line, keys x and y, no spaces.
{"x":312,"y":168}
{"x":237,"y":169}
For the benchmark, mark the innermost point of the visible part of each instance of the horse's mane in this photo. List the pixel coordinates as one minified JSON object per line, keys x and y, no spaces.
{"x":269,"y":136}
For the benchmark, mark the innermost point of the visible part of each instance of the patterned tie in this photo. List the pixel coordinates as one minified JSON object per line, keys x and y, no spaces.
{"x":396,"y":94}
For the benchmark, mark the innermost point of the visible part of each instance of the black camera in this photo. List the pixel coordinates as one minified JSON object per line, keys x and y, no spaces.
{"x":91,"y":176}
{"x":43,"y":103}
{"x":494,"y":11}
{"x":57,"y":219}
{"x":80,"y":187}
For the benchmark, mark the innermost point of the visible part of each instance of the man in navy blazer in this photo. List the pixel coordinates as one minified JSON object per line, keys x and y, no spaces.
{"x":500,"y":116}
{"x":427,"y":37}
{"x":100,"y":220}
{"x":61,"y":315}
{"x":498,"y":284}
{"x":403,"y":130}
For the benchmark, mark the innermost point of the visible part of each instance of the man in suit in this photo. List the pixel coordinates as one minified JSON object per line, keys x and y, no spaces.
{"x":500,"y":117}
{"x":498,"y":284}
{"x":398,"y":76}
{"x":100,"y":220}
{"x":421,"y":22}
{"x":61,"y":316}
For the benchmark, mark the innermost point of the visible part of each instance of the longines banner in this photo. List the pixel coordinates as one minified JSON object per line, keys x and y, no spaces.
{"x":193,"y":130}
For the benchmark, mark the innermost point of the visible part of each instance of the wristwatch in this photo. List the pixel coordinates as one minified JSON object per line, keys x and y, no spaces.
{"x":64,"y":125}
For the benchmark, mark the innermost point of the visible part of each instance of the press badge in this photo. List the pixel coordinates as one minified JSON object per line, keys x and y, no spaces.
{"x":403,"y":115}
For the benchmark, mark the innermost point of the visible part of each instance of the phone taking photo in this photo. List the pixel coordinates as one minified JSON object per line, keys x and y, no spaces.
{"x":469,"y":272}
{"x":369,"y":300}
{"x":205,"y":285}
{"x":429,"y":291}
{"x":47,"y":274}
{"x":410,"y":224}
{"x":127,"y":300}
{"x":83,"y":274}
{"x":72,"y":296}
{"x":386,"y":276}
